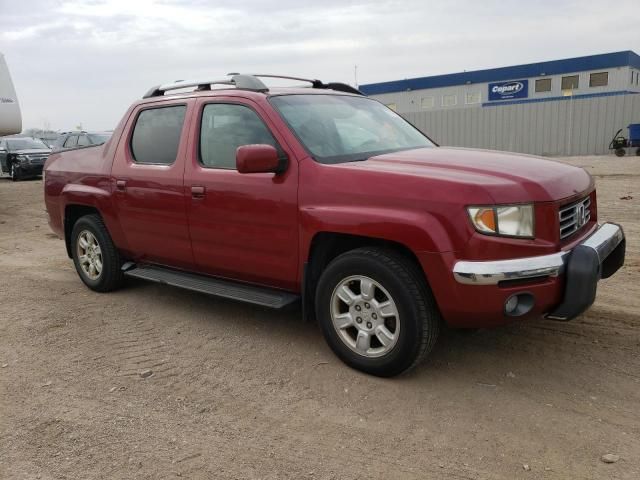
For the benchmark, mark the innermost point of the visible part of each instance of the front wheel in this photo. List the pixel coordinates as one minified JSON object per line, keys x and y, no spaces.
{"x":95,"y":256}
{"x":15,"y":172}
{"x":620,"y":152}
{"x":376,"y":311}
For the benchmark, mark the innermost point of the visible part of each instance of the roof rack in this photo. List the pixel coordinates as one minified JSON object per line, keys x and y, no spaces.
{"x":245,"y":82}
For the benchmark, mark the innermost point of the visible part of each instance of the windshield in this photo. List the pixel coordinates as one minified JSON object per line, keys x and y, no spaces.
{"x":25,"y":143}
{"x":341,"y":128}
{"x":99,"y":138}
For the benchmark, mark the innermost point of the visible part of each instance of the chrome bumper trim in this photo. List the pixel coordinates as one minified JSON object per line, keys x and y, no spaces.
{"x":603,"y":241}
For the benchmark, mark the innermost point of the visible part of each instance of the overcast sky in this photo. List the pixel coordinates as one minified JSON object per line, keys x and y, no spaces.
{"x":84,"y":62}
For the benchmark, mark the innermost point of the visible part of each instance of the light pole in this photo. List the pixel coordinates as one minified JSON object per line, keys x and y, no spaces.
{"x":570,"y":121}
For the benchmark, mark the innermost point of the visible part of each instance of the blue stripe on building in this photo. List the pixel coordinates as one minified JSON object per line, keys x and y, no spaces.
{"x":553,"y":99}
{"x":553,"y":67}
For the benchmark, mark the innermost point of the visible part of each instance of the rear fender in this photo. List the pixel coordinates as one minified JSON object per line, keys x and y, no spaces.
{"x":98,"y":197}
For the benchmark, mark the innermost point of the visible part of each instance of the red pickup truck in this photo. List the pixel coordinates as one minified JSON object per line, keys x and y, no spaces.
{"x":321,"y":195}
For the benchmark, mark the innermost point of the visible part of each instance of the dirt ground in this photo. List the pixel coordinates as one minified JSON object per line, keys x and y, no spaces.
{"x":242,"y":392}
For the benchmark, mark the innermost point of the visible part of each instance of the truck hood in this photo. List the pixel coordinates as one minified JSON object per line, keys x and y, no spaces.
{"x":505,"y":177}
{"x":31,"y":151}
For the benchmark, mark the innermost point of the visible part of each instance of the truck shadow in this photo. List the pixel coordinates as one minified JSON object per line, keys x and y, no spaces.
{"x":487,"y":356}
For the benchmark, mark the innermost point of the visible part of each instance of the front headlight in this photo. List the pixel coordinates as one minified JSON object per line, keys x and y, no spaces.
{"x":507,"y":220}
{"x":22,"y":159}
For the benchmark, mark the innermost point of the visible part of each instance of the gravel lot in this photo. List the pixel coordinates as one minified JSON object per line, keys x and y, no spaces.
{"x":242,"y":392}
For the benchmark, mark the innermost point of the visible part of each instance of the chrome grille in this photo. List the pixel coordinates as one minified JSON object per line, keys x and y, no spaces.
{"x":573,"y":217}
{"x":37,"y":159}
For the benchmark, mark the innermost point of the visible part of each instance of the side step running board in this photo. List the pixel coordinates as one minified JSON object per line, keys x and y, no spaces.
{"x":266,"y":297}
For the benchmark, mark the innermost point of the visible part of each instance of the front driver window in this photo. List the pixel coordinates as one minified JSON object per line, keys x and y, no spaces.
{"x":224,"y":128}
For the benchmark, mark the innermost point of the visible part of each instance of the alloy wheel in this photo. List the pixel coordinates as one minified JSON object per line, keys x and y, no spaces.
{"x":89,"y":255}
{"x":365,"y":316}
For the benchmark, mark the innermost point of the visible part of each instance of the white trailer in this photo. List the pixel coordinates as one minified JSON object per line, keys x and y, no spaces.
{"x":10,"y":117}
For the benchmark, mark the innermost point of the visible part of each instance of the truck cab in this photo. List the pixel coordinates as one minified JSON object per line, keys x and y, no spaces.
{"x":323,"y":197}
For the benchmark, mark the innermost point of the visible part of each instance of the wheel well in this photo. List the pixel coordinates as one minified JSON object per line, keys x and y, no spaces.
{"x":10,"y":160}
{"x":72,"y":214}
{"x":326,"y":246}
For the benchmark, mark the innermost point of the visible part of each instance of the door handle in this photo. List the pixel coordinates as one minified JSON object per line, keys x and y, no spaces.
{"x":121,"y":185}
{"x":197,"y":191}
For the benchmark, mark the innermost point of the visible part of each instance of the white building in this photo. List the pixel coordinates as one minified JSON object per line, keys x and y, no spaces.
{"x":559,"y":107}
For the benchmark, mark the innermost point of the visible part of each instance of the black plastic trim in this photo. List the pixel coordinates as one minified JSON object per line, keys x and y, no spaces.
{"x":257,"y":295}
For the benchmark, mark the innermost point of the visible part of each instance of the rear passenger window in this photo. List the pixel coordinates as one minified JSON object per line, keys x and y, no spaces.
{"x":83,"y":141}
{"x":224,"y":128}
{"x":71,"y":141}
{"x":156,"y":135}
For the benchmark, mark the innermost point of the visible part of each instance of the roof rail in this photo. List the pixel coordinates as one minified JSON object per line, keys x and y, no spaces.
{"x":244,"y":82}
{"x":340,"y":87}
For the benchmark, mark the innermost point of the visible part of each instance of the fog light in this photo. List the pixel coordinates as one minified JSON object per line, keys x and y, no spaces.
{"x":519,"y":304}
{"x":511,"y":304}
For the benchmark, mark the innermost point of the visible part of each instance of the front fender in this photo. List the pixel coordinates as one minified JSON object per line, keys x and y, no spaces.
{"x":418,"y":231}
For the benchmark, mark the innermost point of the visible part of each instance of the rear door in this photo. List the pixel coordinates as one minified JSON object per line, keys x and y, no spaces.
{"x":147,"y":181}
{"x":243,"y":226}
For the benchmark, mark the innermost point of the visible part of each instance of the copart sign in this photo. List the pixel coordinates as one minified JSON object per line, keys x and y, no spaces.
{"x":509,"y":90}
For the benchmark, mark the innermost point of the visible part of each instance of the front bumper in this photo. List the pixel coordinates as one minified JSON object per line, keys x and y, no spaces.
{"x":28,"y":169}
{"x":598,"y":256}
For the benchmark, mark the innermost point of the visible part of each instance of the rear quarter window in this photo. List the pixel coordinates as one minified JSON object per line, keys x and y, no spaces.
{"x":156,"y":135}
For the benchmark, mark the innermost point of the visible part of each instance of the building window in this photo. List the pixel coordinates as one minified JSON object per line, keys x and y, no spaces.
{"x":449,"y":100}
{"x":427,"y":102}
{"x":543,"y":85}
{"x":600,"y":79}
{"x":392,"y":106}
{"x":472,"y":97}
{"x":570,"y":82}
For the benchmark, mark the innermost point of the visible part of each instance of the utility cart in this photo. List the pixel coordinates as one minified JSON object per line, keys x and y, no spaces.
{"x":619,"y":144}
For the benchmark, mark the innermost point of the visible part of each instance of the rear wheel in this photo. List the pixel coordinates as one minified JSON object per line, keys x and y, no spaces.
{"x":95,"y":256}
{"x":376,"y":311}
{"x":620,"y":152}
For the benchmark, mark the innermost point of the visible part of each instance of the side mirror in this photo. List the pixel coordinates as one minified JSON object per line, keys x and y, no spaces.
{"x":259,"y":158}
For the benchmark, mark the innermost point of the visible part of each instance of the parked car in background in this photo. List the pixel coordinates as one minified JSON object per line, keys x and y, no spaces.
{"x":22,"y":157}
{"x":271,"y":196}
{"x":69,"y":140}
{"x":49,"y":141}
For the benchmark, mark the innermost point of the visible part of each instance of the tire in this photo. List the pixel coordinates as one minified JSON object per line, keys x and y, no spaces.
{"x":85,"y":231}
{"x":620,"y":152}
{"x":14,"y":171}
{"x":410,"y":333}
{"x":638,"y":152}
